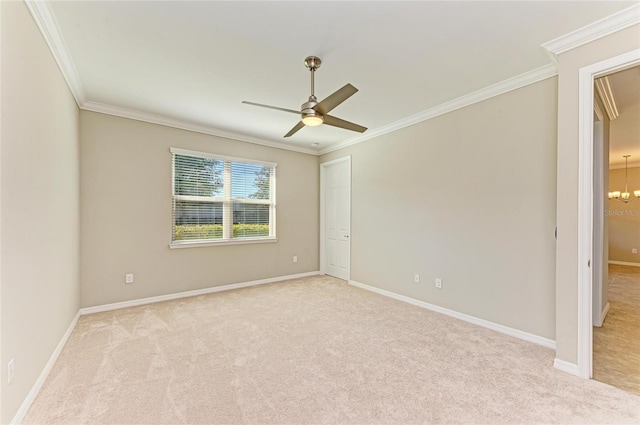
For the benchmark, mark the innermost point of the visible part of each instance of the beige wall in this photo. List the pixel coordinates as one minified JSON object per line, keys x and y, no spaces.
{"x":626,"y":129}
{"x":126,"y":214}
{"x":40,"y":207}
{"x":570,"y":63}
{"x":468,"y":197}
{"x":624,"y":219}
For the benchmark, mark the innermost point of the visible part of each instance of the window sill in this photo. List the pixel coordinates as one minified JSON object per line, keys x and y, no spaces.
{"x":197,"y":244}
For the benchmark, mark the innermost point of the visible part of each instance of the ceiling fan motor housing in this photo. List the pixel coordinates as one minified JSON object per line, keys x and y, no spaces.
{"x":307,"y":108}
{"x":309,"y":116}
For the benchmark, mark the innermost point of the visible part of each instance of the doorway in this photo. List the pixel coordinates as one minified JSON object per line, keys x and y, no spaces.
{"x":335,"y":218}
{"x":586,"y":193}
{"x":616,"y":285}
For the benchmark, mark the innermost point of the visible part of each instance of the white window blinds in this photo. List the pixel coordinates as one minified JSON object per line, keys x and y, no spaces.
{"x":218,"y":198}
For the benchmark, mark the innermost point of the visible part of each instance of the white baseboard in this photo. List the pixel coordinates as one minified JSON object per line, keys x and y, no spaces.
{"x":26,"y":404}
{"x":565,"y":366}
{"x":624,"y":263}
{"x":175,"y":296}
{"x":603,"y":315}
{"x":546,"y":342}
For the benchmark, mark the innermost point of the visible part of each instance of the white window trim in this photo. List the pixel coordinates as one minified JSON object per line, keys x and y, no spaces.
{"x":221,"y":242}
{"x":227,"y":239}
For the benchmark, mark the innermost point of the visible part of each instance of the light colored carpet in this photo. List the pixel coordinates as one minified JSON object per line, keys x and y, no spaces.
{"x":616,"y":345}
{"x":310,"y":351}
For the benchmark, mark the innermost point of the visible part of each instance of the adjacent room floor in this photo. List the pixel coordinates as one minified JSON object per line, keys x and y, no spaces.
{"x":616,"y":345}
{"x":310,"y":351}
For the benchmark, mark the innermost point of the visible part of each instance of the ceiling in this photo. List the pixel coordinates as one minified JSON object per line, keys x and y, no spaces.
{"x":192,"y":63}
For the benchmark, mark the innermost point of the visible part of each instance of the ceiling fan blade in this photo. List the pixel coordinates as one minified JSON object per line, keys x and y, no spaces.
{"x":271,"y":107}
{"x":294,"y":129}
{"x":335,"y":99}
{"x":337,"y":122}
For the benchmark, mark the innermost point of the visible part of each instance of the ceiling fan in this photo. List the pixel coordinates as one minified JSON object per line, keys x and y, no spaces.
{"x":314,"y":113}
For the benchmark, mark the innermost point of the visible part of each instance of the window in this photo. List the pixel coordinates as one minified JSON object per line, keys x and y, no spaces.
{"x":219,"y":199}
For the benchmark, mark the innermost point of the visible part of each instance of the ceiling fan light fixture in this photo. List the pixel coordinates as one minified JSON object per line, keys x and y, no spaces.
{"x":312,"y":120}
{"x":310,"y":116}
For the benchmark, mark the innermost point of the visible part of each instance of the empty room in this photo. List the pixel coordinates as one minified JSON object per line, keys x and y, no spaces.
{"x":346,"y":212}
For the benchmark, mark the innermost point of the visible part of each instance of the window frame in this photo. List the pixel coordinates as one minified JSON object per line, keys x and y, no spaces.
{"x":227,"y":201}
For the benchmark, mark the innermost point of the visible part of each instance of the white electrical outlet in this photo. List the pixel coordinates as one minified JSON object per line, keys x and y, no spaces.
{"x":416,"y":278}
{"x":634,"y":250}
{"x":10,"y":371}
{"x":128,"y":278}
{"x":438,"y":283}
{"x":295,"y":258}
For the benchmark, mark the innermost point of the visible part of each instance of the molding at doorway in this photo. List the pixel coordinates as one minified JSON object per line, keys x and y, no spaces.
{"x":603,"y":315}
{"x":565,"y":366}
{"x":603,"y":87}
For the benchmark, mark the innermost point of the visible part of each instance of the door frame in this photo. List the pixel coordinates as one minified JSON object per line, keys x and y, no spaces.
{"x":587,"y":75}
{"x":597,"y":260}
{"x":323,"y":257}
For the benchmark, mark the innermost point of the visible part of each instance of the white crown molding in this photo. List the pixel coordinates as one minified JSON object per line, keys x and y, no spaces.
{"x":185,"y":125}
{"x":48,"y":26}
{"x":598,"y":111}
{"x":50,"y":31}
{"x":606,"y":96}
{"x":493,"y":90}
{"x":598,"y":29}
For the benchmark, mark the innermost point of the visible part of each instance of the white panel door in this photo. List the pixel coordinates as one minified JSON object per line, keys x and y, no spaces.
{"x":336,"y":185}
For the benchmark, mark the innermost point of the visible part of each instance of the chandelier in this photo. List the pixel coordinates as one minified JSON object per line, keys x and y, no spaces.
{"x":625,"y":196}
